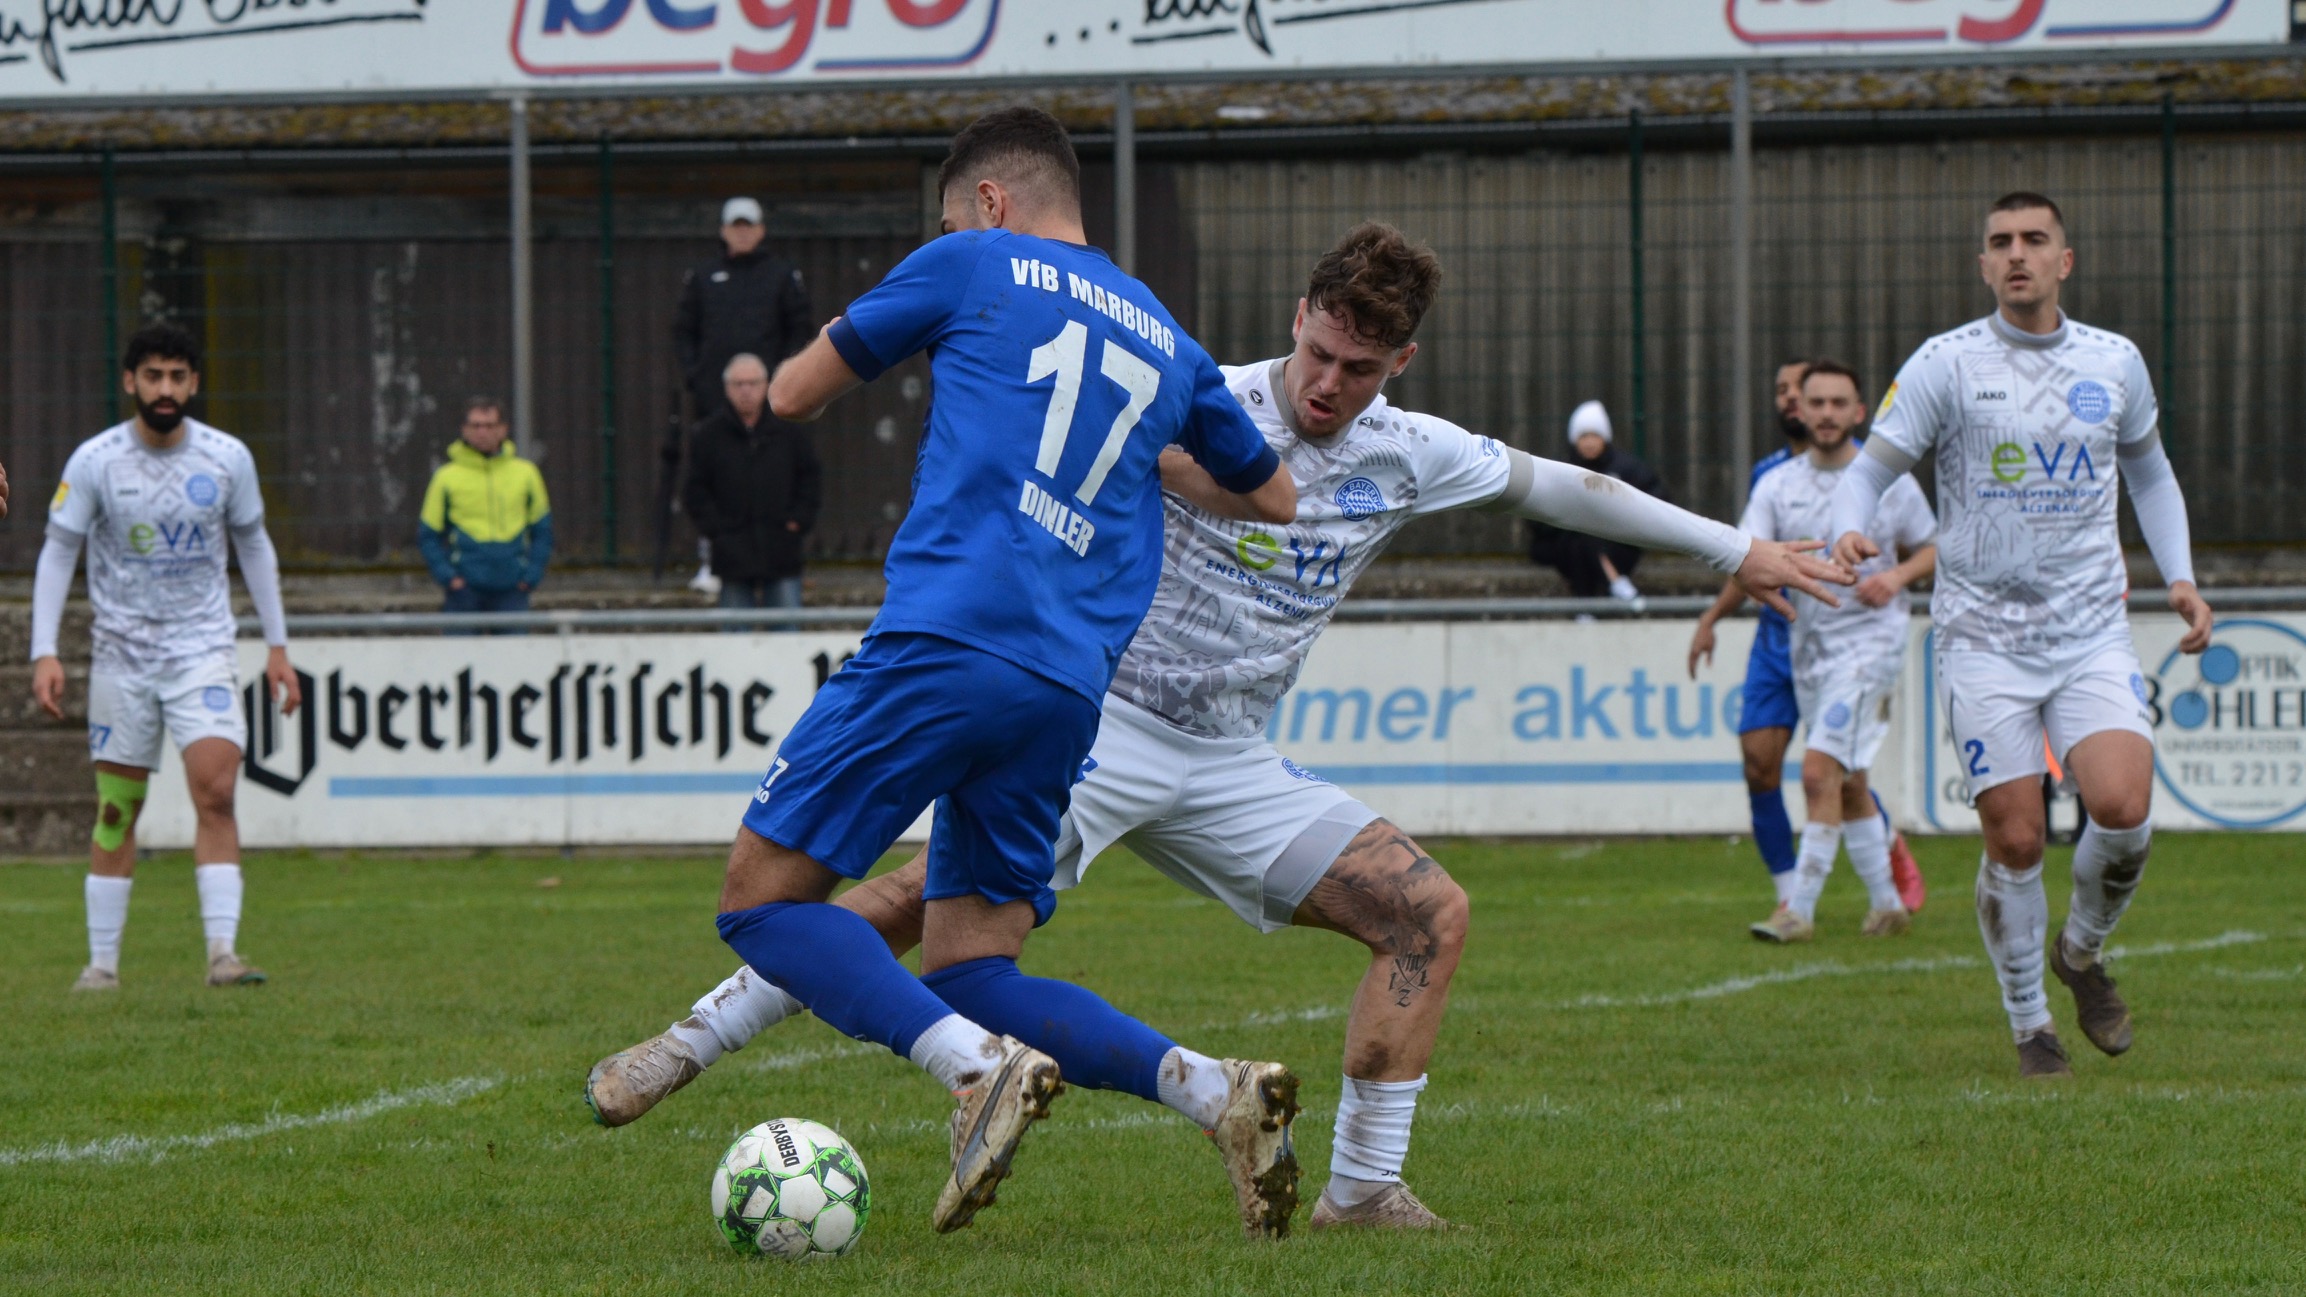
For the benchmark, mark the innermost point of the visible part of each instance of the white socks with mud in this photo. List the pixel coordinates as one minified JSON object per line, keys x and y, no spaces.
{"x":734,"y":1012}
{"x":956,"y":1051}
{"x":107,"y":914}
{"x":1194,"y":1085}
{"x":1869,"y":842}
{"x":1373,"y":1119}
{"x":2013,"y":917}
{"x":1816,"y":861}
{"x":220,"y":888}
{"x":2107,"y":865}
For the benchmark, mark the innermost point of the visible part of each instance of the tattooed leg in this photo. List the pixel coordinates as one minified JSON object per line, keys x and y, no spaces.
{"x":1386,"y":893}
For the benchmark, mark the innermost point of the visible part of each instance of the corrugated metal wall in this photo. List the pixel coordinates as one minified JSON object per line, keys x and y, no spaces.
{"x":348,"y":312}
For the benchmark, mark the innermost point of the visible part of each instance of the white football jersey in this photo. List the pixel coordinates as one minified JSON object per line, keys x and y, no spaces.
{"x":2025,"y":426}
{"x":1240,"y":603}
{"x":157,"y":523}
{"x":1795,"y":501}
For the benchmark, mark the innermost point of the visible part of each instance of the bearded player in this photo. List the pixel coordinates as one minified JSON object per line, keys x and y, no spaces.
{"x":1181,"y":771}
{"x":154,"y":499}
{"x":2031,"y":415}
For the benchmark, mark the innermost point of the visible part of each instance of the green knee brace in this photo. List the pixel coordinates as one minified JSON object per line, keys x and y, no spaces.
{"x":117,"y":798}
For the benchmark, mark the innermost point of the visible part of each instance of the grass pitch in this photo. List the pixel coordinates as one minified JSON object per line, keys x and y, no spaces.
{"x":1630,"y":1096}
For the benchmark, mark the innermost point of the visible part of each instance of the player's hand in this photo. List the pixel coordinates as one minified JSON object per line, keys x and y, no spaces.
{"x":2188,"y":603}
{"x":280,"y":679}
{"x":1772,"y":566}
{"x":1853,"y":548}
{"x":1700,"y":646}
{"x":1877,"y":590}
{"x":48,"y":686}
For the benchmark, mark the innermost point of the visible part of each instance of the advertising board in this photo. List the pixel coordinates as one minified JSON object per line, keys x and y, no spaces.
{"x":174,"y":48}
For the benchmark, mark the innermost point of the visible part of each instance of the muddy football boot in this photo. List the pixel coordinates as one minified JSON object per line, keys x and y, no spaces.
{"x":628,"y":1083}
{"x":2098,"y":1007}
{"x":992,"y":1119}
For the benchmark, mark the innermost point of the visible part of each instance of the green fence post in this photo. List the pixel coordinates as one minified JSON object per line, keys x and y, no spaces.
{"x":110,"y":234}
{"x":608,"y":354}
{"x":1640,"y":323}
{"x":2169,"y":257}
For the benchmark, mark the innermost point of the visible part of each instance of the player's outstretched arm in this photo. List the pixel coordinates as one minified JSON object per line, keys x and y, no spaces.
{"x":2161,"y":509}
{"x":813,"y":379}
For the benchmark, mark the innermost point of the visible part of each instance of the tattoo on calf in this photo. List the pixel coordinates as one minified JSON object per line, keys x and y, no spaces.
{"x":1409,"y":978}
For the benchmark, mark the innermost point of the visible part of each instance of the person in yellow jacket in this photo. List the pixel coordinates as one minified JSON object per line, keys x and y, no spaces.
{"x":486,"y":527}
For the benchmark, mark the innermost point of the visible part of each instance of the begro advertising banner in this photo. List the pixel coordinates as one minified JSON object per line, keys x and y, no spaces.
{"x":158,"y":48}
{"x":1479,"y":728}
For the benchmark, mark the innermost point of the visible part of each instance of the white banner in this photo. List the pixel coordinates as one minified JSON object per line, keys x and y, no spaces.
{"x":171,"y":48}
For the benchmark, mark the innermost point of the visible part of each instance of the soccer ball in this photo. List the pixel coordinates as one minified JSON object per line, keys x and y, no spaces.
{"x":792,"y":1189}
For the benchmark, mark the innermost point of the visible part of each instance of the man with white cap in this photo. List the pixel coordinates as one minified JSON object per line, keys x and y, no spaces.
{"x":1592,"y":566}
{"x":747,"y":301}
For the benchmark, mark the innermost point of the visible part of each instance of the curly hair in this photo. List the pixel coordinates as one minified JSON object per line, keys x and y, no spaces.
{"x":1379,"y":280}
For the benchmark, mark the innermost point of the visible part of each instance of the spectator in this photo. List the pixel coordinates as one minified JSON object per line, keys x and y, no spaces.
{"x":754,"y":491}
{"x":486,"y":527}
{"x":1592,"y":566}
{"x":746,"y":300}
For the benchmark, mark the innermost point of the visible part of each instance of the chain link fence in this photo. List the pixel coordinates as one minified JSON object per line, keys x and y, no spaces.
{"x":349,"y":303}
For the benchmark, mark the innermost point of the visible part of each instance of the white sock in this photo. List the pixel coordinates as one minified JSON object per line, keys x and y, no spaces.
{"x":1869,"y":845}
{"x":220,"y":888}
{"x":107,"y":914}
{"x":1785,"y":883}
{"x":734,"y":1012}
{"x":1193,"y":1084}
{"x":2107,"y":865}
{"x":1819,"y":842}
{"x":956,"y":1051}
{"x":2013,"y":916}
{"x":1373,"y":1120}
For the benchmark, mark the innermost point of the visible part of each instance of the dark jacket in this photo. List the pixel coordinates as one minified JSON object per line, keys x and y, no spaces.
{"x":744,"y":485}
{"x":754,"y":303}
{"x":1577,"y":556}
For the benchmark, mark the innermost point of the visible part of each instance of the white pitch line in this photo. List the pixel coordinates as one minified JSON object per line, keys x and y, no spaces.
{"x":152,"y":1148}
{"x":803,"y":1057}
{"x":1833,"y":968}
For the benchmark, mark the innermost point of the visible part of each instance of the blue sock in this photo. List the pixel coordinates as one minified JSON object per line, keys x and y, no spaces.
{"x":1095,"y":1044}
{"x":835,"y":963}
{"x":1773,"y":832}
{"x":1884,"y":812}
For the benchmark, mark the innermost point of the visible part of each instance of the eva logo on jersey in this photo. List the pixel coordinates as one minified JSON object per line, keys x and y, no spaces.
{"x":180,"y":539}
{"x":2059,"y":459}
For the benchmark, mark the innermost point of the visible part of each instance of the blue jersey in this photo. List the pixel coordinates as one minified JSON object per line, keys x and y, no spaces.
{"x":1035,"y":529}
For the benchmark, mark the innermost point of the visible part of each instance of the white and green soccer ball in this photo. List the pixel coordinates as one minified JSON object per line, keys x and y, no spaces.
{"x":792,"y":1189}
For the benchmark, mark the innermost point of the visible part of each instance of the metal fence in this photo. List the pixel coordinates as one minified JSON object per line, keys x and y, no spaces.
{"x":349,"y":302}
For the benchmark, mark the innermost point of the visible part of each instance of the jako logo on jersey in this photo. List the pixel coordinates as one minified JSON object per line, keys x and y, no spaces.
{"x":2089,"y":402}
{"x":1297,"y":771}
{"x":200,"y":488}
{"x":1360,"y":498}
{"x":216,"y":698}
{"x":180,"y":537}
{"x":2010,"y":461}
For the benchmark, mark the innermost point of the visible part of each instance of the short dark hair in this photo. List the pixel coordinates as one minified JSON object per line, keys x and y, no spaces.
{"x":2025,"y":200}
{"x":1020,"y":144}
{"x":1381,"y":281}
{"x":1832,"y":367}
{"x":482,"y":401}
{"x":1795,"y":362}
{"x":165,"y":341}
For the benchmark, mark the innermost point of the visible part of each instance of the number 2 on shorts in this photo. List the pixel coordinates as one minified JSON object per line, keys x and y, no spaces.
{"x":1977,"y":750}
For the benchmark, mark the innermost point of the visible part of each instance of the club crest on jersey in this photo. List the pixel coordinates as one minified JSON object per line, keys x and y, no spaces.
{"x":1837,"y":716}
{"x":1297,"y":771}
{"x":200,"y":488}
{"x":1359,"y":498}
{"x":216,"y":698}
{"x":2089,"y":402}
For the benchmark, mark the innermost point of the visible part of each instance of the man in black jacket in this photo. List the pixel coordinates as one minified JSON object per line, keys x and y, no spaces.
{"x":746,"y":300}
{"x":754,"y":490}
{"x":1592,"y":566}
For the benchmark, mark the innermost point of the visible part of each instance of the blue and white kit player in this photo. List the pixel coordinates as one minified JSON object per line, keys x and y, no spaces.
{"x":1030,"y":554}
{"x":1769,"y":710}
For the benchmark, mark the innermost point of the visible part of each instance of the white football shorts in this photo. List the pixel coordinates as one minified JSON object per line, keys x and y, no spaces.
{"x":1999,"y":707}
{"x":198,"y":698}
{"x":1231,"y":819}
{"x":1848,"y":713}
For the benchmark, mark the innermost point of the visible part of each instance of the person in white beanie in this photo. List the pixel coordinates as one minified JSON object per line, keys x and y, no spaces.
{"x":1592,"y":566}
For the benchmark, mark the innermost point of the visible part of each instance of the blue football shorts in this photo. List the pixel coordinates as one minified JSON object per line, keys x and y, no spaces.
{"x":1768,"y":698}
{"x":915,"y":720}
